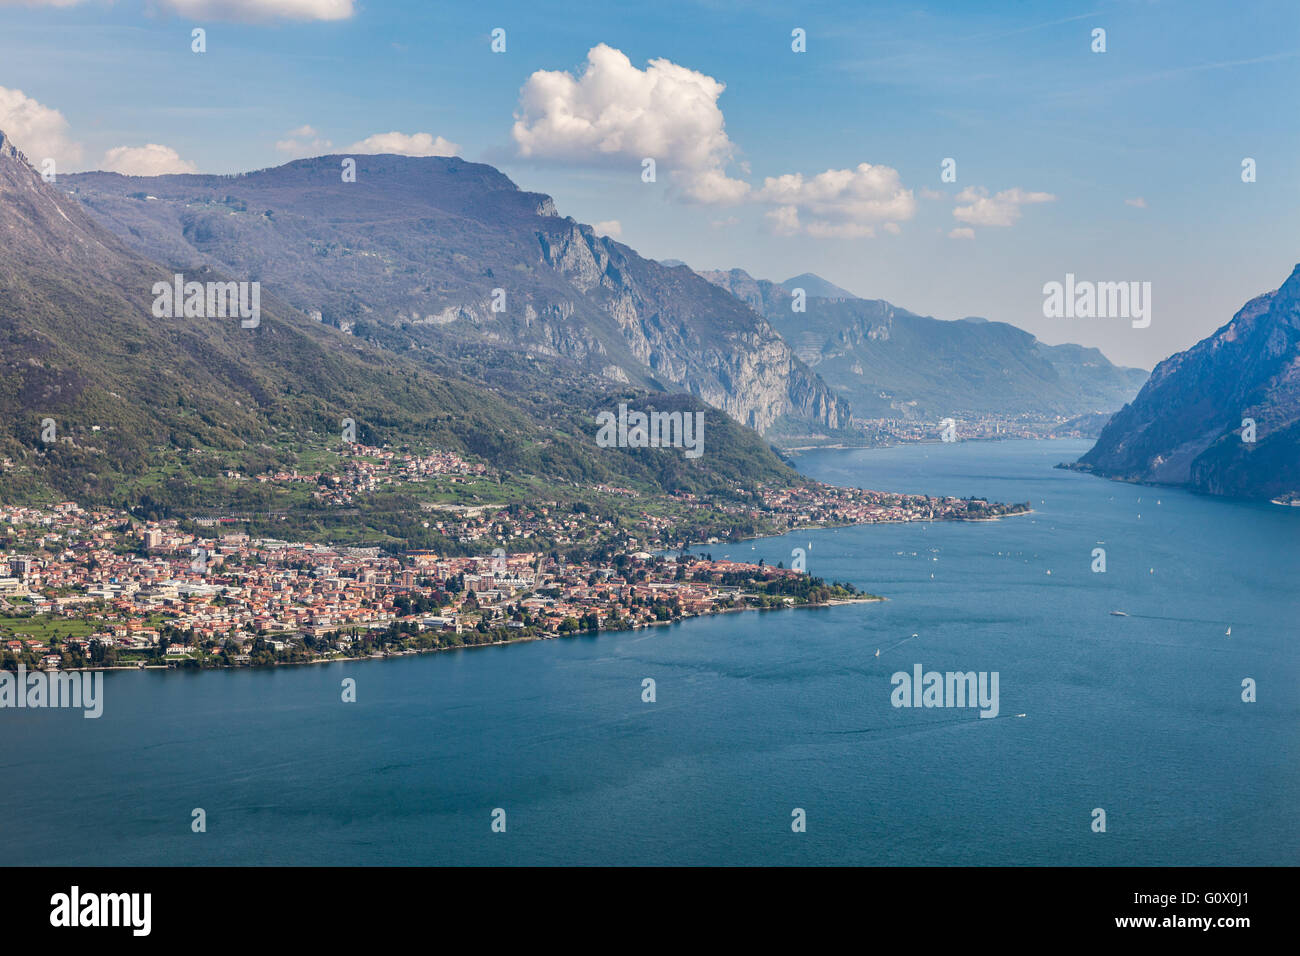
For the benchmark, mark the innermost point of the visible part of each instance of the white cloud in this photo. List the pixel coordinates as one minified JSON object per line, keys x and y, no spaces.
{"x":1002,"y":209}
{"x":962,"y":232}
{"x":713,"y":186}
{"x":839,"y":203}
{"x":303,"y":141}
{"x":255,"y":10}
{"x":415,"y":144}
{"x":307,"y":141}
{"x":1139,"y":202}
{"x":617,"y":113}
{"x":612,"y":113}
{"x":148,"y":160}
{"x":39,"y":131}
{"x":610,"y":227}
{"x":244,"y":10}
{"x":784,"y":220}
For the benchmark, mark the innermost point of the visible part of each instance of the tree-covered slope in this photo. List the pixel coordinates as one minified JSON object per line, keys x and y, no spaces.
{"x":129,"y":393}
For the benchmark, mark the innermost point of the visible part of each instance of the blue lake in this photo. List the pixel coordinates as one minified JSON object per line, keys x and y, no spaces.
{"x":759,"y":713}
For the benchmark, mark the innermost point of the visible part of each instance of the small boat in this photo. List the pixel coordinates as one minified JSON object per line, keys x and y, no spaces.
{"x":1228,"y":632}
{"x":877,"y":652}
{"x":1119,"y":613}
{"x":1022,"y":715}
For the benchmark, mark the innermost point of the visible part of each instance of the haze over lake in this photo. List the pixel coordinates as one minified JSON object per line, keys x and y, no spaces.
{"x":758,"y":713}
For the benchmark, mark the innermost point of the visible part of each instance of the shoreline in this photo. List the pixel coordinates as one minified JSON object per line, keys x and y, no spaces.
{"x":801,"y":529}
{"x":411,"y":652}
{"x":179,"y":663}
{"x":906,"y":442}
{"x":189,"y":662}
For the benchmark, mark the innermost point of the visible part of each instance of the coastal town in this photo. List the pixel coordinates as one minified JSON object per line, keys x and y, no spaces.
{"x":102,"y":588}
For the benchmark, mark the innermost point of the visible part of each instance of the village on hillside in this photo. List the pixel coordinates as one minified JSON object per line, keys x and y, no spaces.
{"x":102,"y":588}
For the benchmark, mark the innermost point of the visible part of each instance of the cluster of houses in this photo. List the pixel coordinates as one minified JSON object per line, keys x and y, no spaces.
{"x":232,"y":587}
{"x":130,"y":580}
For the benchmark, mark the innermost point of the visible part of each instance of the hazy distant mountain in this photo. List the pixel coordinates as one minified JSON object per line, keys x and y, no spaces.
{"x":449,"y":259}
{"x":130,"y":395}
{"x":1185,"y":426}
{"x":891,"y":363}
{"x":1085,"y":426}
{"x":758,"y":294}
{"x":816,"y":285}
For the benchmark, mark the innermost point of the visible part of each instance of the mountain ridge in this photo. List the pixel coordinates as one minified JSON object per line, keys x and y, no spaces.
{"x":815,"y":285}
{"x":1187,"y":426}
{"x":138,"y":400}
{"x":889,"y":362}
{"x":451,"y":257}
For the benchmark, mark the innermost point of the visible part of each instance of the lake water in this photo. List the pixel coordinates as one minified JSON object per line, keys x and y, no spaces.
{"x":758,"y":713}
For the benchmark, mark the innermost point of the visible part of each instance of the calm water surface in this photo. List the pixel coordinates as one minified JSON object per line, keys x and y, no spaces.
{"x":758,"y":713}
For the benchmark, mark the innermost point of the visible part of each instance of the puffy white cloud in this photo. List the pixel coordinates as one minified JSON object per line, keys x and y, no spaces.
{"x":245,"y":10}
{"x":39,"y":131}
{"x":839,"y":203}
{"x":610,"y":227}
{"x":307,"y":141}
{"x":303,"y":141}
{"x":617,"y":113}
{"x":962,"y":232}
{"x":415,"y":144}
{"x":784,"y":220}
{"x":149,"y":160}
{"x":1002,"y":209}
{"x":1139,"y":202}
{"x":713,"y":186}
{"x":254,"y":10}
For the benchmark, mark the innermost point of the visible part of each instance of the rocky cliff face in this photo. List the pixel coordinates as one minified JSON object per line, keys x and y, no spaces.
{"x":1186,"y":425}
{"x":451,"y":257}
{"x":689,"y":335}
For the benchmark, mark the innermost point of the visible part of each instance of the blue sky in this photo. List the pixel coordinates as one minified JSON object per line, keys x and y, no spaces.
{"x":1122,"y":165}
